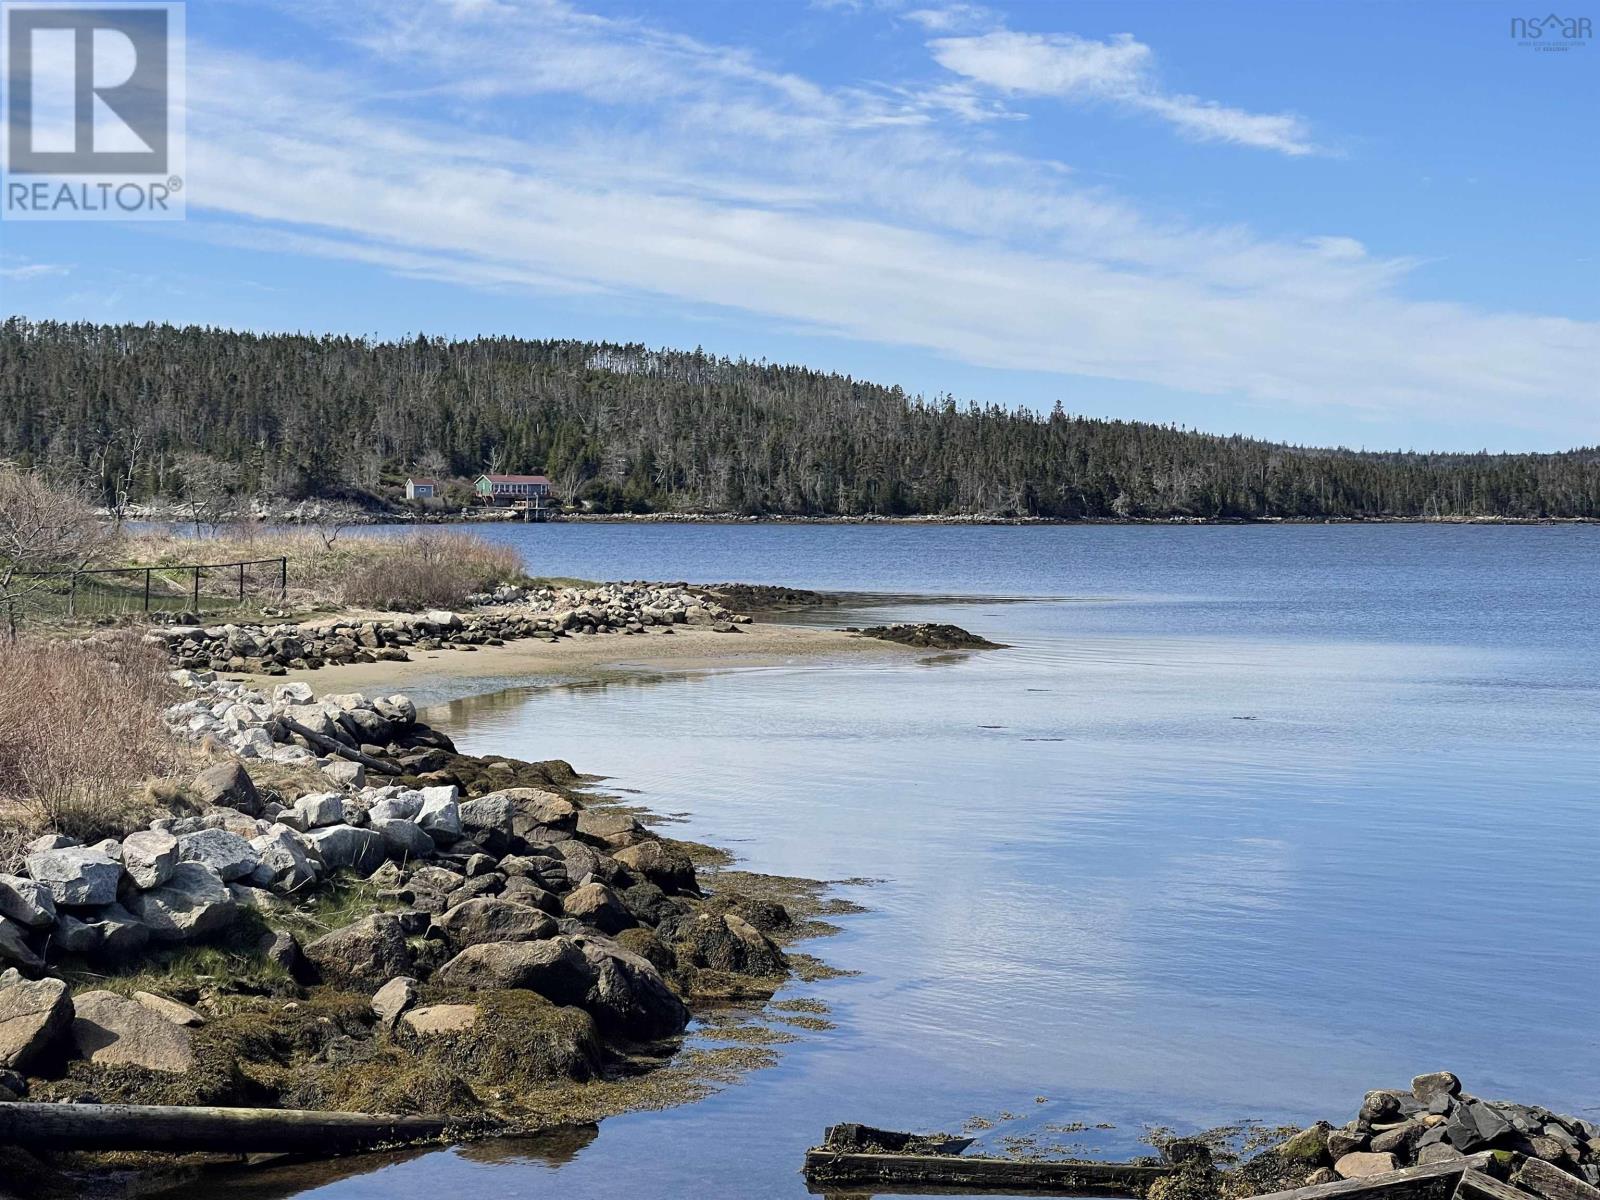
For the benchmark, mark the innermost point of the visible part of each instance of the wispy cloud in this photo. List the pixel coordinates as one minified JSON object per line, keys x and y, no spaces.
{"x":1121,"y":70}
{"x":695,"y":174}
{"x":21,"y":272}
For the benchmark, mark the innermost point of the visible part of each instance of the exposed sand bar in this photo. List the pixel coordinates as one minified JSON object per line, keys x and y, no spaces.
{"x":687,"y":649}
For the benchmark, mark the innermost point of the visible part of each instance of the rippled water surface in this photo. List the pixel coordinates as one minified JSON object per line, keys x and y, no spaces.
{"x":1247,"y":821}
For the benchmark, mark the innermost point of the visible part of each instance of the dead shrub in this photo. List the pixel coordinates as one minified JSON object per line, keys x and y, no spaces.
{"x":431,"y":570}
{"x":80,"y":730}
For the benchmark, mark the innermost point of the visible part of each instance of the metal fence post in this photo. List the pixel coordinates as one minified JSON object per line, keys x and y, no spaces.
{"x":197,"y":591}
{"x":283,"y":578}
{"x":147,"y":589}
{"x":241,"y":583}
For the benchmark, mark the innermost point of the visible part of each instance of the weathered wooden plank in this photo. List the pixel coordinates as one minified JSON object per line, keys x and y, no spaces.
{"x":1475,"y":1185}
{"x":1436,"y":1181}
{"x":1551,"y":1182}
{"x":234,"y":1130}
{"x":835,"y":1168}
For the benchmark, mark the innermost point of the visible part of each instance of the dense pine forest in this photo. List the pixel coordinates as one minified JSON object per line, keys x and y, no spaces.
{"x":134,"y":410}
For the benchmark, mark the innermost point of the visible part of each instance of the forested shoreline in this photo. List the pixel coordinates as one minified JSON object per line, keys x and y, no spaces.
{"x":139,"y":412}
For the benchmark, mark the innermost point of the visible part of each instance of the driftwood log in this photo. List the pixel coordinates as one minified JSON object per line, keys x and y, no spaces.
{"x":227,"y":1130}
{"x":335,"y":746}
{"x":828,"y":1170}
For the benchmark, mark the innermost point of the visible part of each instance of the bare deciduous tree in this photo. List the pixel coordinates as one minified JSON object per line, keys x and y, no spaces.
{"x":209,"y":489}
{"x":43,"y":527}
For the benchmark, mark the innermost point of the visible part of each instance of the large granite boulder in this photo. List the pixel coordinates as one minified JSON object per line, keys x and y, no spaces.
{"x":367,"y":952}
{"x":193,"y":904}
{"x":77,"y":876}
{"x":361,"y":850}
{"x":115,"y":1031}
{"x":596,"y":904}
{"x":609,"y":828}
{"x":33,"y":1015}
{"x":149,"y":857}
{"x":724,"y":942}
{"x":227,"y":785}
{"x":228,"y":854}
{"x":120,"y":934}
{"x":555,"y":968}
{"x":27,"y":902}
{"x":670,"y":870}
{"x":488,"y":919}
{"x":15,"y":950}
{"x":440,"y":815}
{"x":628,"y":994}
{"x":404,"y":841}
{"x":283,"y":863}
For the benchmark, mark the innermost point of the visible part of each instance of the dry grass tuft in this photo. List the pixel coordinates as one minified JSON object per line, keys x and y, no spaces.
{"x":80,"y":731}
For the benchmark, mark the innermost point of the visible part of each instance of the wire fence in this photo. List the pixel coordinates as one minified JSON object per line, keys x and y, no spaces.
{"x":170,"y":587}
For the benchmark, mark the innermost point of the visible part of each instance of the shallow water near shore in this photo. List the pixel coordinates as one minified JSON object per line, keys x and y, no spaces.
{"x":1247,"y":821}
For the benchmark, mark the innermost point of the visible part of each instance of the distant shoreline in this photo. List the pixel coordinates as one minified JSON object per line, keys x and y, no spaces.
{"x":311,"y":513}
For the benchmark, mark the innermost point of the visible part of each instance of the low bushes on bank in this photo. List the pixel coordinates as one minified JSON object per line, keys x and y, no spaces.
{"x":415,"y":571}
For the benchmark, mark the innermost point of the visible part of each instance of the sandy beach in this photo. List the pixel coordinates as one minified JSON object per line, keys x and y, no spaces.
{"x":686,"y":649}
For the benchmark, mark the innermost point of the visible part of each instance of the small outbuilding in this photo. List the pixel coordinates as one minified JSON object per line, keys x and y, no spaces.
{"x":422,"y":489}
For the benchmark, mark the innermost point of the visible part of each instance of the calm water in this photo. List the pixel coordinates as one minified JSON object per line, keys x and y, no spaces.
{"x":1249,"y":820}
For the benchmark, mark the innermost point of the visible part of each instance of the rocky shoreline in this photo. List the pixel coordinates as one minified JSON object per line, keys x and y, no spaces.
{"x":420,"y":932}
{"x":509,"y":614}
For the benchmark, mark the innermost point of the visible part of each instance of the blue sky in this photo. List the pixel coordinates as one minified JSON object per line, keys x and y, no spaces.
{"x":1373,"y":224}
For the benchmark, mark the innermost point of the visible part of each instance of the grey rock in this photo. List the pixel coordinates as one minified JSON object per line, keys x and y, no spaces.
{"x":121,"y":934}
{"x":193,"y":904}
{"x":77,"y":876}
{"x":390,"y":1002}
{"x":404,"y":840}
{"x":1435,"y":1083}
{"x":402,"y":807}
{"x":629,"y":994}
{"x":227,"y":785}
{"x":492,"y":920}
{"x":361,"y":850}
{"x":283,"y":863}
{"x":369,"y":951}
{"x":351,"y":774}
{"x":50,"y":841}
{"x":596,"y":904}
{"x":441,"y":817}
{"x":33,"y":1016}
{"x":1474,"y":1125}
{"x":14,"y":948}
{"x":72,"y":936}
{"x":1438,"y":1152}
{"x":149,"y":857}
{"x":228,"y":854}
{"x":555,"y":968}
{"x":26,"y":902}
{"x":318,"y":811}
{"x":112,"y":1030}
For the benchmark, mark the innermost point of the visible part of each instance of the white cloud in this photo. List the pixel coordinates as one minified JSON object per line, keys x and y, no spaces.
{"x":21,"y":272}
{"x":1121,"y":70}
{"x":690,"y":173}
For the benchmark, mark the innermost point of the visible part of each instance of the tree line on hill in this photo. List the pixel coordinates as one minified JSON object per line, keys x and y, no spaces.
{"x":138,"y":412}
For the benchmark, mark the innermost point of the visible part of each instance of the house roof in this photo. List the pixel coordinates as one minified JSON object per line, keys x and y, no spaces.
{"x":423,"y":479}
{"x":516,"y":479}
